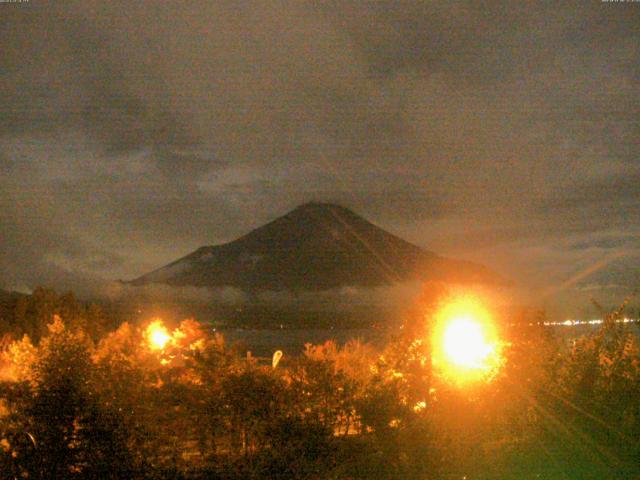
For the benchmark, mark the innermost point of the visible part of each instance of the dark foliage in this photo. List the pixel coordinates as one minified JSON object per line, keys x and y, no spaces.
{"x":193,"y":408}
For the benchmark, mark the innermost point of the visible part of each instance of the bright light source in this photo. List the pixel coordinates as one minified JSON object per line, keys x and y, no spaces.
{"x":157,"y":335}
{"x":465,"y":342}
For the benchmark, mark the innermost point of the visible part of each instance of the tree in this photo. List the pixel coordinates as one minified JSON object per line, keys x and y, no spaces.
{"x":71,"y":434}
{"x":251,"y":400}
{"x":31,"y":314}
{"x":321,"y":392}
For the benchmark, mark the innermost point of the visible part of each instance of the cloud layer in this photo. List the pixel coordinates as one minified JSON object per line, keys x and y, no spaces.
{"x":132,"y":133}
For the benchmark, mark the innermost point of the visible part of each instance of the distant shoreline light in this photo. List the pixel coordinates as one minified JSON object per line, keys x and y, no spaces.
{"x":574,"y":322}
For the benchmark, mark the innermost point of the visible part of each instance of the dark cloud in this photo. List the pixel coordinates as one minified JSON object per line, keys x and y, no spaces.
{"x":618,"y":189}
{"x":131,"y":133}
{"x":625,"y":241}
{"x":597,"y":204}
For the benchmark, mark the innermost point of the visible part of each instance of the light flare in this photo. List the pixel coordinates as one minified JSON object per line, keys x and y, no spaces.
{"x":157,"y":335}
{"x":466,"y":346}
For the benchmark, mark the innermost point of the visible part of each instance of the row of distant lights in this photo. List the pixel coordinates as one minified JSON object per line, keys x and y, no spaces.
{"x":572,"y":323}
{"x":598,"y":321}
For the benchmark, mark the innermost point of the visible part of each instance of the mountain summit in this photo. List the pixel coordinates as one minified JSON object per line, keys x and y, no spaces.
{"x":316,"y":246}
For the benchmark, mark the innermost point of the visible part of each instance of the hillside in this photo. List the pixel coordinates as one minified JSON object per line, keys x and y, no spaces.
{"x":316,"y":246}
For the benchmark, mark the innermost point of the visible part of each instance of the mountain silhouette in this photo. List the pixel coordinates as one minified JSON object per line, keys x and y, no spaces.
{"x":316,"y":246}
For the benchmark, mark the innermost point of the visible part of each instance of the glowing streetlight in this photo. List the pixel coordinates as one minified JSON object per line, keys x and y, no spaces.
{"x":466,"y":346}
{"x":157,"y":335}
{"x":465,"y":343}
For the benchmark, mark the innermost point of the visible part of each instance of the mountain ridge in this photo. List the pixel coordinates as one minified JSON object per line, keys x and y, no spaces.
{"x":315,"y":246}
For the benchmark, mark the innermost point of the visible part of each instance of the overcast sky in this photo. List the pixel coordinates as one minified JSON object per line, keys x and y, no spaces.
{"x":504,"y":132}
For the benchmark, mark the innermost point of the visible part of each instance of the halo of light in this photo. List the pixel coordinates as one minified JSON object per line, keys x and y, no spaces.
{"x":157,"y":335}
{"x":465,"y":342}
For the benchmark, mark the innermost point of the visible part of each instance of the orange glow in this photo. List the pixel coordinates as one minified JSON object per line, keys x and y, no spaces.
{"x":157,"y":335}
{"x":466,"y":346}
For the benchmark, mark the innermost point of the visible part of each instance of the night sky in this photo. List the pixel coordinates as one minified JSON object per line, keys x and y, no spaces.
{"x":502,"y":132}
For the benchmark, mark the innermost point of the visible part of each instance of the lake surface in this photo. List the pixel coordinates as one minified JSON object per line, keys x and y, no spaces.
{"x":263,"y":342}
